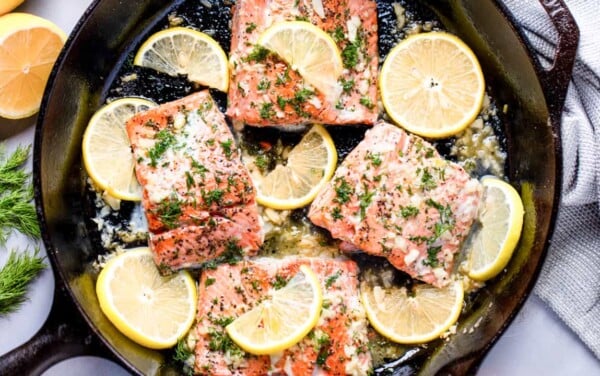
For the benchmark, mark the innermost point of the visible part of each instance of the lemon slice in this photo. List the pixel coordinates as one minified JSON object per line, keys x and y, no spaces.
{"x":431,"y":84}
{"x":29,"y":46}
{"x":150,"y":309}
{"x":8,"y":5}
{"x":282,"y":320}
{"x":179,"y":50}
{"x":310,"y":165}
{"x":308,"y":50}
{"x":416,"y":317}
{"x":501,"y":217}
{"x":107,"y":154}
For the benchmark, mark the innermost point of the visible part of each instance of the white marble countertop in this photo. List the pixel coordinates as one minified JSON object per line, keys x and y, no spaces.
{"x":537,"y":343}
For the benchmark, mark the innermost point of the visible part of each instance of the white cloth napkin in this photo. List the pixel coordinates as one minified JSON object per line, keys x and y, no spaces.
{"x":570,"y":279}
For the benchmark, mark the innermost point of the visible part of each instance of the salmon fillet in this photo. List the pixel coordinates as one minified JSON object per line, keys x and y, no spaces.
{"x":197,"y":195}
{"x":394,"y":196}
{"x":336,"y":346}
{"x":266,"y":91}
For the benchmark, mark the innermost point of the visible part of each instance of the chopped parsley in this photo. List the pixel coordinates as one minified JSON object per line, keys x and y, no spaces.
{"x":267,"y":111}
{"x":213,"y":196}
{"x":364,"y":202}
{"x":250,"y":28}
{"x":375,"y":159}
{"x":338,"y":34}
{"x":366,"y":101}
{"x":169,"y":211}
{"x":261,"y":162}
{"x":324,"y":344}
{"x":165,"y":139}
{"x":189,"y":180}
{"x":182,"y":352}
{"x":427,"y":180}
{"x":283,"y":78}
{"x":209,"y":281}
{"x":332,"y":278}
{"x":226,"y":145}
{"x":281,"y":102}
{"x":350,"y":55}
{"x":258,"y":54}
{"x":198,"y":168}
{"x":431,"y":259}
{"x":409,"y":211}
{"x":279,"y":282}
{"x":343,"y":191}
{"x":336,"y":213}
{"x":264,"y":84}
{"x":347,"y":85}
{"x":303,"y":94}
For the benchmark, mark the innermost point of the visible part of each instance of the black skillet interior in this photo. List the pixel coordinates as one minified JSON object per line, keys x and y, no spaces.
{"x":111,"y":29}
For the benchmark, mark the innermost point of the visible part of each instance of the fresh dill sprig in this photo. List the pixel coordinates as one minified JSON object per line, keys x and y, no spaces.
{"x":11,"y":174}
{"x":17,"y":212}
{"x":16,"y":209}
{"x":15,"y":276}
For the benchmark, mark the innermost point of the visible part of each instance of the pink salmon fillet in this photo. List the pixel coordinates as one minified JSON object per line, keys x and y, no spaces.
{"x":336,"y":346}
{"x":265,"y":91}
{"x":198,"y":197}
{"x":394,"y":196}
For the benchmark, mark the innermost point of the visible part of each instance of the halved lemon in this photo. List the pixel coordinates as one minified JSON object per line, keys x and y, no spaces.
{"x":150,"y":309}
{"x":310,"y":165}
{"x":29,"y":46}
{"x":501,"y":220}
{"x":432,"y":85}
{"x":8,"y":5}
{"x":107,"y":154}
{"x":418,"y":316}
{"x":308,"y":50}
{"x":179,"y":50}
{"x":282,"y":320}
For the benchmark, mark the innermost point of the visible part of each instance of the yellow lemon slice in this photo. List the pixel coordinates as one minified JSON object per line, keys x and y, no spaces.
{"x":29,"y":46}
{"x":310,"y":165}
{"x":431,"y":84}
{"x":308,"y":50}
{"x":107,"y":154}
{"x":501,"y":220}
{"x":282,"y":320}
{"x":150,"y":309}
{"x":179,"y":50}
{"x":416,"y":317}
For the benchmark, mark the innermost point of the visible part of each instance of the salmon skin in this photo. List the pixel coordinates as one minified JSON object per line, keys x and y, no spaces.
{"x":265,"y":91}
{"x":394,"y":196}
{"x":197,"y":195}
{"x":336,"y":346}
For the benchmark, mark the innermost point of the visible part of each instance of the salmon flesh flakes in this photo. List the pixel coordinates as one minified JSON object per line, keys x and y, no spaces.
{"x":336,"y":346}
{"x":394,"y":196}
{"x":197,"y":195}
{"x":264,"y":90}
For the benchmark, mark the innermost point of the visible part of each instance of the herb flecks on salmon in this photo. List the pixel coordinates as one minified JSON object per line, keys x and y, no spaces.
{"x":336,"y":346}
{"x":264,"y":90}
{"x":394,"y":196}
{"x":197,"y":195}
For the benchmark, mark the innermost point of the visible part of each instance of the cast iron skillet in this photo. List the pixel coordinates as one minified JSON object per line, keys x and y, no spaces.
{"x":78,"y":85}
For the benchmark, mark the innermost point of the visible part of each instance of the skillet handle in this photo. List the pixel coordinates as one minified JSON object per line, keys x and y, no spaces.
{"x":64,"y":335}
{"x":555,"y":80}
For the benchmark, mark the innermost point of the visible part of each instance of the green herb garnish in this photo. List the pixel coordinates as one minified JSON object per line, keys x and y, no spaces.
{"x":165,"y":139}
{"x":15,"y":276}
{"x":258,"y":54}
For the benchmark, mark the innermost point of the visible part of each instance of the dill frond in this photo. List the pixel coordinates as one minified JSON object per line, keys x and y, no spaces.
{"x":16,"y":209}
{"x":17,"y":212}
{"x":11,"y":174}
{"x":15,"y":276}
